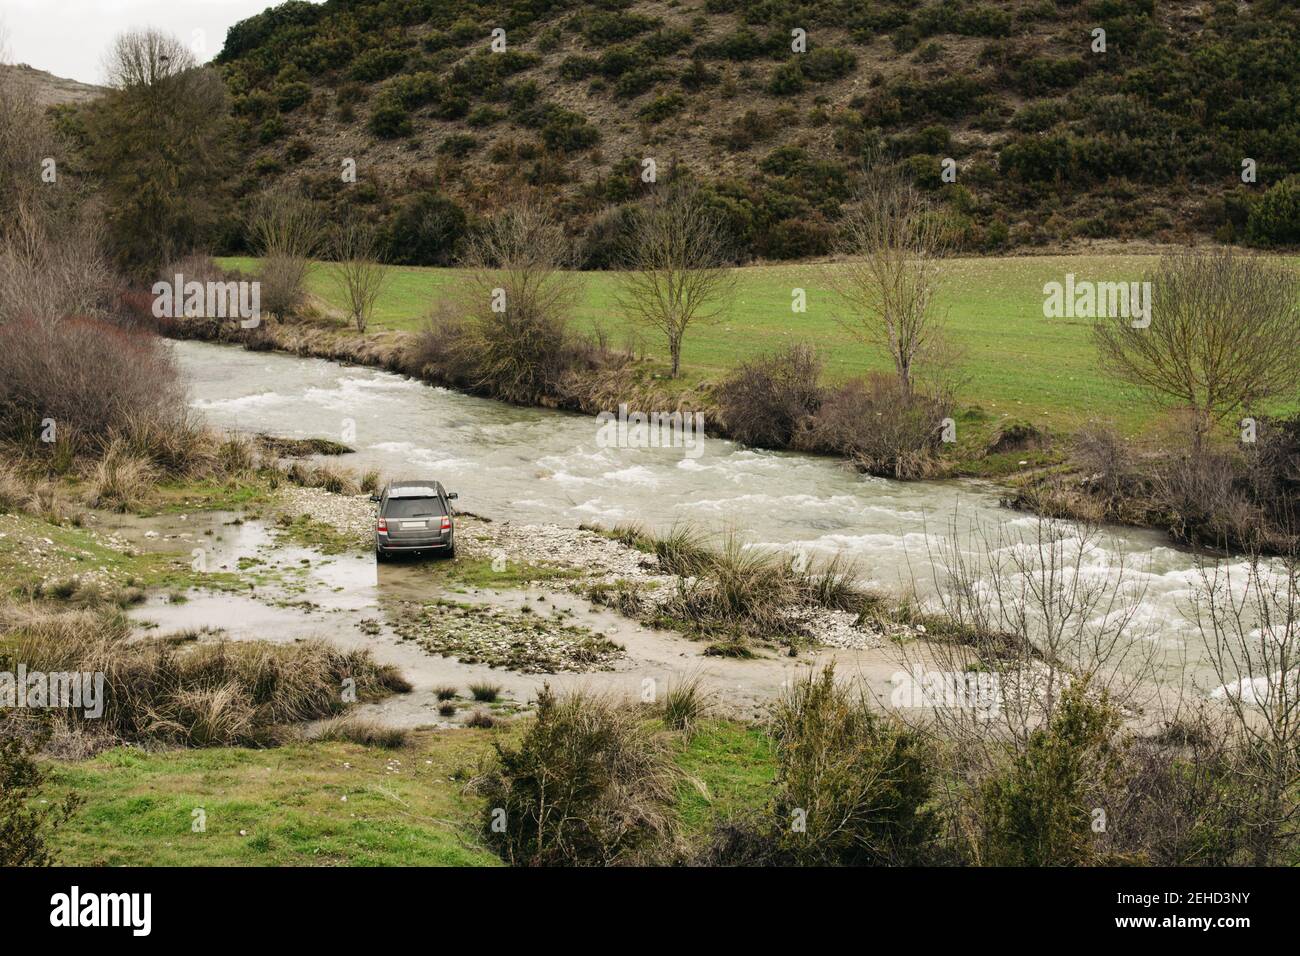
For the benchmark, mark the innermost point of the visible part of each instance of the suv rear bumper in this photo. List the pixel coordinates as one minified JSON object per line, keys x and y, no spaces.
{"x":419,"y":544}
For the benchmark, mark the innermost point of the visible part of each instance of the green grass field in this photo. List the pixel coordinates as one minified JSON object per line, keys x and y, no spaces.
{"x":1016,"y":362}
{"x":340,"y":804}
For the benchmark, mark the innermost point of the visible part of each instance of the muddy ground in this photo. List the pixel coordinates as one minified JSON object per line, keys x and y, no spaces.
{"x":511,"y":609}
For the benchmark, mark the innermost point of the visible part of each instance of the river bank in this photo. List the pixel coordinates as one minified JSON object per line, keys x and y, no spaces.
{"x":986,"y":446}
{"x":523,"y":604}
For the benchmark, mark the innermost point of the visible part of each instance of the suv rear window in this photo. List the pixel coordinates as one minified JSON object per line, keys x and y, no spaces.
{"x":414,"y":508}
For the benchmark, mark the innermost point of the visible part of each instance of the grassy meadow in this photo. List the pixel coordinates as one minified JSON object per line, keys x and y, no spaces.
{"x":341,"y":804}
{"x":1016,"y":362}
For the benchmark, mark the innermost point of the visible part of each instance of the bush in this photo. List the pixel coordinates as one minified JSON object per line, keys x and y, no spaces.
{"x":25,"y":826}
{"x":120,"y":479}
{"x":602,"y":26}
{"x":190,"y":693}
{"x":290,"y":96}
{"x":568,"y":132}
{"x":520,"y":356}
{"x":441,"y":353}
{"x":862,"y":781}
{"x":1038,"y":811}
{"x":686,"y":704}
{"x":362,"y":730}
{"x":764,"y":400}
{"x":1275,"y":216}
{"x":376,"y":64}
{"x":590,"y":784}
{"x":662,"y":107}
{"x":458,"y":145}
{"x":1273,"y":469}
{"x":605,"y":239}
{"x":390,"y":120}
{"x":828,"y":63}
{"x":798,"y":237}
{"x":741,"y":593}
{"x":787,"y":79}
{"x":1105,"y":459}
{"x":508,"y":326}
{"x":884,"y":431}
{"x":426,"y":230}
{"x":96,"y":382}
{"x":852,"y":788}
{"x":1203,"y":502}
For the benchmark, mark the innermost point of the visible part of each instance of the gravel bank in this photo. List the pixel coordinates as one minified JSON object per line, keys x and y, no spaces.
{"x":595,"y":558}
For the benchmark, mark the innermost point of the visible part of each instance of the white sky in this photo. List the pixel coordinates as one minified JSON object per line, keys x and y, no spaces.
{"x":69,"y":37}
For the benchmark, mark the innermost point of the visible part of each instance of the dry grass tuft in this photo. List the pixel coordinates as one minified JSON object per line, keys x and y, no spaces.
{"x":191,"y":693}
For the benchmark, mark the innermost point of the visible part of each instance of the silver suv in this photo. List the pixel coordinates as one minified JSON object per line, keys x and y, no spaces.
{"x":414,"y":516}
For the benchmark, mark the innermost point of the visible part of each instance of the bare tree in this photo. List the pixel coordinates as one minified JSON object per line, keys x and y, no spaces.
{"x":357,"y":271}
{"x":893,"y":239}
{"x":51,"y":241}
{"x":33,"y":167}
{"x":286,"y":233}
{"x":678,"y":258}
{"x":1249,"y":618}
{"x":1029,"y":604}
{"x":1023,"y":617}
{"x":51,"y":268}
{"x":1224,"y":333}
{"x":146,"y":59}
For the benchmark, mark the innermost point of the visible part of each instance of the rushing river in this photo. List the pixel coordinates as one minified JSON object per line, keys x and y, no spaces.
{"x":535,"y":465}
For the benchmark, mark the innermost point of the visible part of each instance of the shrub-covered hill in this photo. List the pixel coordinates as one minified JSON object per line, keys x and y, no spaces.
{"x":1053,"y":142}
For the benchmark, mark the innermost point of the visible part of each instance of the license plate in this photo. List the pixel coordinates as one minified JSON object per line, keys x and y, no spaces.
{"x":414,"y":524}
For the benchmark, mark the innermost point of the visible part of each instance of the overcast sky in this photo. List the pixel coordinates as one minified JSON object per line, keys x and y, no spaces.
{"x":69,"y":37}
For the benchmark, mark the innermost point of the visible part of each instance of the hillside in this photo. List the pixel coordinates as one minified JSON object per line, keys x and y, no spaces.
{"x":48,"y":89}
{"x":1054,"y":144}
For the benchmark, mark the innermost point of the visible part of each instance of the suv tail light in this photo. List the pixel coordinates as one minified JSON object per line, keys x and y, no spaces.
{"x":446,"y":522}
{"x":382,"y":526}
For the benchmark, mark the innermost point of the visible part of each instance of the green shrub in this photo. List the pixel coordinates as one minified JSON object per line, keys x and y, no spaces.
{"x":414,"y":89}
{"x":662,"y":107}
{"x":376,"y":64}
{"x":784,"y":160}
{"x":297,"y":149}
{"x":612,"y":26}
{"x":568,"y":132}
{"x":590,"y":784}
{"x":578,"y":67}
{"x":458,"y":145}
{"x":1038,"y":811}
{"x":1275,"y":217}
{"x":425,"y":231}
{"x":744,"y":44}
{"x":484,"y":116}
{"x":26,"y":825}
{"x":290,"y":96}
{"x":852,"y":788}
{"x":390,"y":120}
{"x":861,"y":783}
{"x":827,"y":63}
{"x":697,"y":76}
{"x":787,"y":79}
{"x":272,"y":128}
{"x":799,"y":237}
{"x":639,"y":80}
